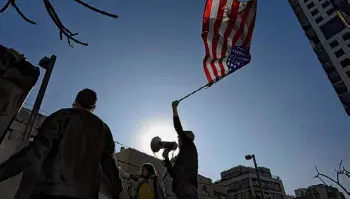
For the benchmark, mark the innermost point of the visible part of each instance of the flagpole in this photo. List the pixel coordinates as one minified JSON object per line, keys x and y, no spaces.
{"x":209,"y":84}
{"x":206,"y":85}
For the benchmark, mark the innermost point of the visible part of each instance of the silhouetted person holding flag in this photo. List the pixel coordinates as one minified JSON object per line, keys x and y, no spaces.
{"x":185,"y":170}
{"x":72,"y":145}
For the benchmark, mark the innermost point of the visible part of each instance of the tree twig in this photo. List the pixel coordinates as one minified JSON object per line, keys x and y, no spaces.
{"x":339,"y":172}
{"x":63,"y":30}
{"x":13,"y":3}
{"x":54,"y":17}
{"x":95,"y":9}
{"x":6,"y":6}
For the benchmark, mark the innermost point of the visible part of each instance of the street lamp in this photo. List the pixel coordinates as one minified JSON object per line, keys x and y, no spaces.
{"x":249,"y":157}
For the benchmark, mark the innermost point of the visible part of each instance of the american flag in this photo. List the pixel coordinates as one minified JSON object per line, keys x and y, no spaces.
{"x":227,"y":32}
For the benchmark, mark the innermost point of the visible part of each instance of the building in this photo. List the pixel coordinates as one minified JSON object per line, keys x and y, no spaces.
{"x":12,"y":143}
{"x":242,"y":183}
{"x":330,"y":40}
{"x":17,"y":128}
{"x":131,"y":160}
{"x":319,"y":191}
{"x":290,"y":197}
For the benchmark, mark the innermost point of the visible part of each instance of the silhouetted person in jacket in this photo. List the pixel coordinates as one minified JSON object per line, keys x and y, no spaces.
{"x":185,"y":170}
{"x":72,"y":144}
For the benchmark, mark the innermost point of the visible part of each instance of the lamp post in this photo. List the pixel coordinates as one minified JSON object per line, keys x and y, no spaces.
{"x":48,"y":64}
{"x":249,"y":157}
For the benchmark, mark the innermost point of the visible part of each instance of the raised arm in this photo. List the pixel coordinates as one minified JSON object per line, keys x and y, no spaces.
{"x":176,"y":118}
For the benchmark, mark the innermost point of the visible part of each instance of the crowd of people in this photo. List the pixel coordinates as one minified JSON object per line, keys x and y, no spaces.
{"x":71,"y":157}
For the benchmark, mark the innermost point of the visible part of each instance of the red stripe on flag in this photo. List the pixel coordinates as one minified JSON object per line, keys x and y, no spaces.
{"x":215,"y":40}
{"x":233,"y":18}
{"x":246,"y":42}
{"x":205,"y":31}
{"x":243,"y":22}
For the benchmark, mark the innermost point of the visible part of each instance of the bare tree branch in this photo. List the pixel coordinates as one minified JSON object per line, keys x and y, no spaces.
{"x":6,"y":6}
{"x":54,"y":17}
{"x":339,"y":172}
{"x":95,"y":9}
{"x":21,"y":13}
{"x":63,"y":30}
{"x":317,"y":176}
{"x":13,"y":3}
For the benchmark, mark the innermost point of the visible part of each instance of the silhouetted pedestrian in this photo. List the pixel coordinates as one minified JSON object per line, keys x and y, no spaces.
{"x":72,"y":144}
{"x":185,"y":170}
{"x":149,"y":185}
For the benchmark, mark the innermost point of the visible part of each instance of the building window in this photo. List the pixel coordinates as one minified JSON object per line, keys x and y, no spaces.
{"x":325,"y":4}
{"x":339,"y":53}
{"x":332,"y":27}
{"x":334,"y":44}
{"x":319,"y":19}
{"x":340,"y":88}
{"x":314,"y":12}
{"x":334,"y":76}
{"x":345,"y":100}
{"x":346,"y":36}
{"x":330,"y":11}
{"x":310,"y":5}
{"x":345,"y":62}
{"x":328,"y":67}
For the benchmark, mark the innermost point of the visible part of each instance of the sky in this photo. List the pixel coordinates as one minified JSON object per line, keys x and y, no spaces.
{"x":281,"y":106}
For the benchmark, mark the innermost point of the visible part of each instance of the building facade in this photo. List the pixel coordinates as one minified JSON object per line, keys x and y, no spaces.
{"x":12,"y":143}
{"x":319,"y":191}
{"x":330,"y":40}
{"x":242,"y":183}
{"x":131,"y":160}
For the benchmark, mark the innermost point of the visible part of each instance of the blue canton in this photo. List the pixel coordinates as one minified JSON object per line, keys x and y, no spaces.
{"x":238,"y":58}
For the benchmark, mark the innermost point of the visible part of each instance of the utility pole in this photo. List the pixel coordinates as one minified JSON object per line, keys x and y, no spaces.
{"x":248,"y":157}
{"x":48,"y":64}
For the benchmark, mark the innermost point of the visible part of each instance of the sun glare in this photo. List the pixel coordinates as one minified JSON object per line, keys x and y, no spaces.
{"x":164,"y":130}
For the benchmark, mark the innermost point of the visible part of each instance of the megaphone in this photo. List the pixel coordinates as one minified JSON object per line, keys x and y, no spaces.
{"x":157,"y":144}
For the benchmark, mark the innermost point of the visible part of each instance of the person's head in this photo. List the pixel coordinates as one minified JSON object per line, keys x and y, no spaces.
{"x":148,"y":170}
{"x":86,"y":99}
{"x":189,"y":135}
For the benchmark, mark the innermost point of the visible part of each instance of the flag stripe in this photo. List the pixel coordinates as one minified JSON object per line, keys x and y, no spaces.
{"x":248,"y":30}
{"x":205,"y":32}
{"x":238,"y":33}
{"x":219,"y":19}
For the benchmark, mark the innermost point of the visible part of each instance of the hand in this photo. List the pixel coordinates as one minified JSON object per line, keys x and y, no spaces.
{"x":175,"y":104}
{"x":166,"y":154}
{"x":134,"y":177}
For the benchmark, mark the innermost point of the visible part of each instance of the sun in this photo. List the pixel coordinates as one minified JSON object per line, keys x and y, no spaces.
{"x":162,"y":129}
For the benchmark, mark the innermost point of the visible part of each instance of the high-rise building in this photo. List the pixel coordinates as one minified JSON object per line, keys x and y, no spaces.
{"x":242,"y":183}
{"x":319,"y":191}
{"x":330,"y":40}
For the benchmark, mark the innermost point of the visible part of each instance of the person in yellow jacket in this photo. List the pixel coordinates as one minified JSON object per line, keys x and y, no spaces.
{"x":149,"y":185}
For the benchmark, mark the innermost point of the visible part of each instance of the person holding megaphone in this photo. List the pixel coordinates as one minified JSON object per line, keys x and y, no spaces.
{"x":185,"y":170}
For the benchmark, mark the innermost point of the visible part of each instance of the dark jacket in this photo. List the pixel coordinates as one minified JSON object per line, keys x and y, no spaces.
{"x":71,"y":144}
{"x":185,"y":169}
